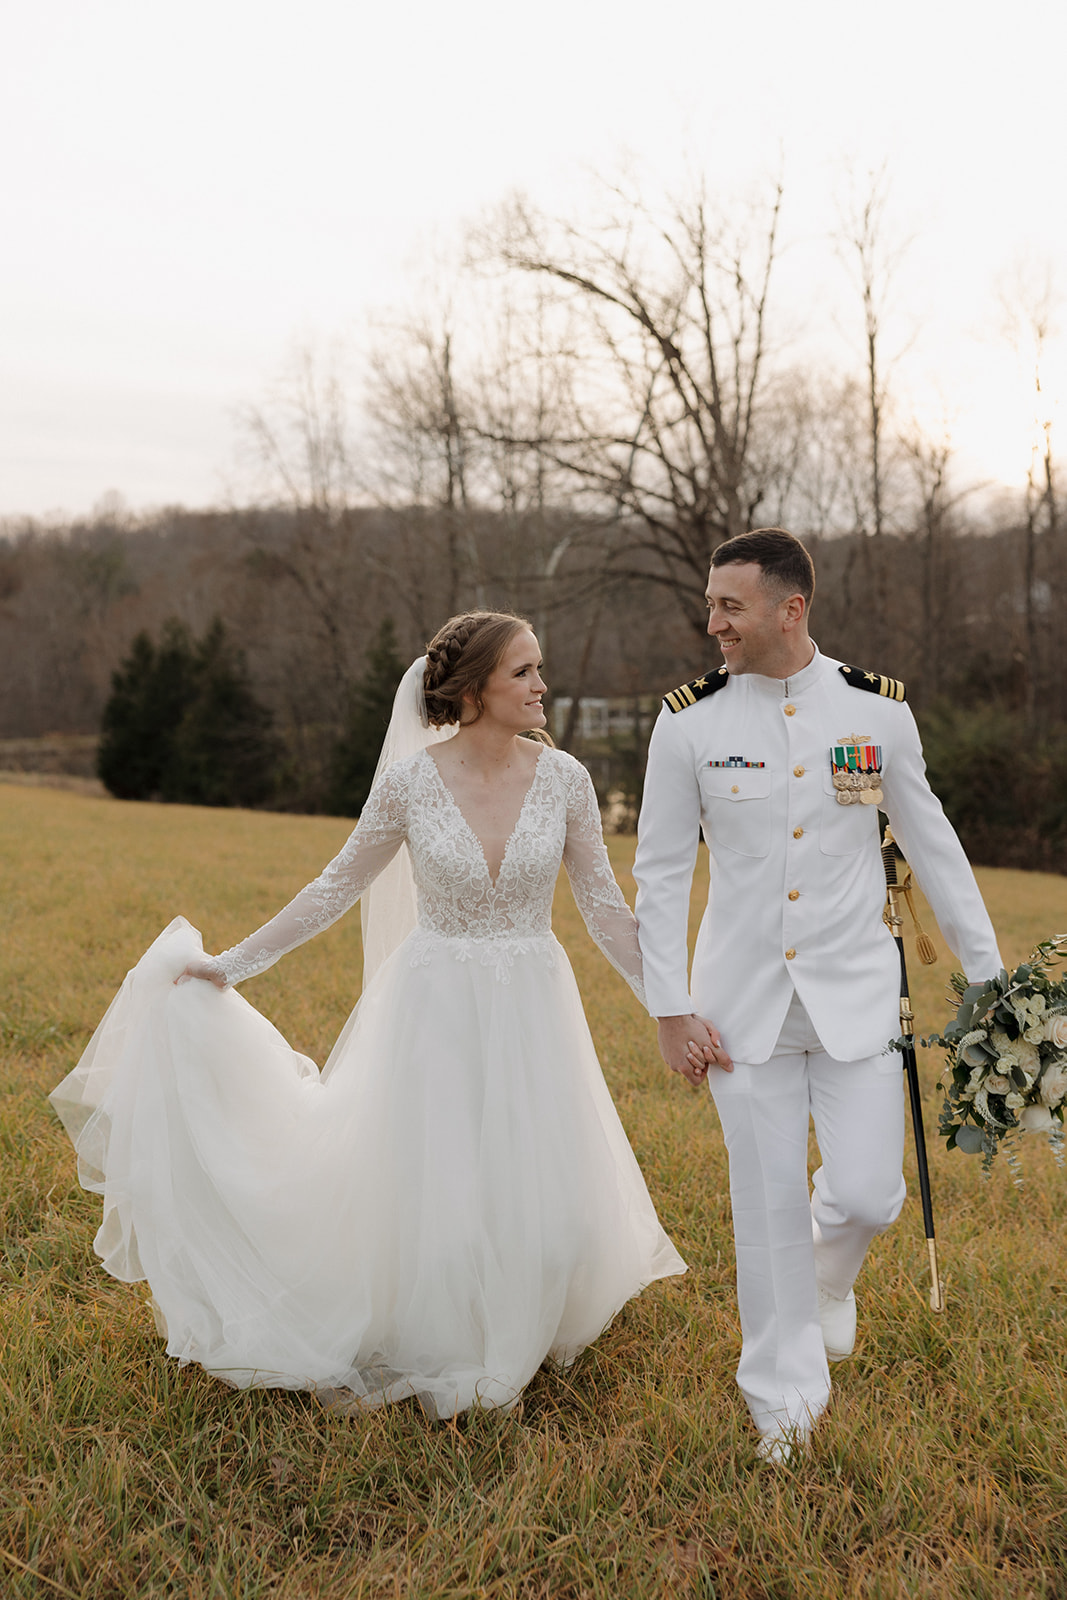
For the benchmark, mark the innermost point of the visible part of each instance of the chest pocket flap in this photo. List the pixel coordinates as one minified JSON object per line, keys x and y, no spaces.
{"x":736,"y":806}
{"x":736,"y":783}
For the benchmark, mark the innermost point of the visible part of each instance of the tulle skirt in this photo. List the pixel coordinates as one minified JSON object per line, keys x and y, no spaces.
{"x":451,"y":1201}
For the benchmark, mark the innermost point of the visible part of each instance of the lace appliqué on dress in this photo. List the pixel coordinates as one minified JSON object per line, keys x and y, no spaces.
{"x":499,"y":954}
{"x":491,"y":922}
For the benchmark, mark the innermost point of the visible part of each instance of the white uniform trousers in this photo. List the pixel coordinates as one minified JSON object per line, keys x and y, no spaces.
{"x":787,"y":1243}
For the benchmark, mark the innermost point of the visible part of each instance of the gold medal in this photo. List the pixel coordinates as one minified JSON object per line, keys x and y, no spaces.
{"x":845,"y":797}
{"x":840,"y":780}
{"x":870,"y":797}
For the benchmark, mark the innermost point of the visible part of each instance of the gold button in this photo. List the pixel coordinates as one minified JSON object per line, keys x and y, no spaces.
{"x":798,"y":772}
{"x":794,"y":894}
{"x":790,"y":710}
{"x":734,"y":789}
{"x":798,"y":833}
{"x":790,"y":954}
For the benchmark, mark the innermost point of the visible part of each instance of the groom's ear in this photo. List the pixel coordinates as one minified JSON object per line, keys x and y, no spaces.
{"x":793,"y":610}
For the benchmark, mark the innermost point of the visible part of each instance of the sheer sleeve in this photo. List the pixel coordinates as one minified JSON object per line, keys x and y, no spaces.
{"x":600,"y":900}
{"x":370,"y":847}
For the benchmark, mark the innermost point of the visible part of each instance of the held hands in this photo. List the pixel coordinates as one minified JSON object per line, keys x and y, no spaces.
{"x":205,"y":968}
{"x":689,"y":1045}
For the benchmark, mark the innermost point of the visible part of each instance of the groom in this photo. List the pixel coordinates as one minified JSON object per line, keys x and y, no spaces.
{"x":782,"y":758}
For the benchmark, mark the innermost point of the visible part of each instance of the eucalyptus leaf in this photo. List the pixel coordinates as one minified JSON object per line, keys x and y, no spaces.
{"x":969,"y":1139}
{"x":976,"y":1055}
{"x":973,"y":992}
{"x":1018,"y":1077}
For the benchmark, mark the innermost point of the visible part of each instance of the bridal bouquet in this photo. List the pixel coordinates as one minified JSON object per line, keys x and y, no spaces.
{"x":1006,"y":1068}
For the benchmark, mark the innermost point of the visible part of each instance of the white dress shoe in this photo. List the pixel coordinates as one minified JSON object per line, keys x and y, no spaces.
{"x":782,"y":1449}
{"x":838,"y":1319}
{"x":773,"y":1448}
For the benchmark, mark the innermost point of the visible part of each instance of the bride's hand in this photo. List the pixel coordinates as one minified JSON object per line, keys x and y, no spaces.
{"x":206,"y":968}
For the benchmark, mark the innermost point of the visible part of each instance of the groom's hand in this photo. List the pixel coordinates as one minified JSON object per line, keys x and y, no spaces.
{"x":689,"y":1046}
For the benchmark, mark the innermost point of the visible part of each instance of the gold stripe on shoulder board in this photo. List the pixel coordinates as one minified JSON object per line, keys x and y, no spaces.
{"x":874,"y":683}
{"x":687,"y":694}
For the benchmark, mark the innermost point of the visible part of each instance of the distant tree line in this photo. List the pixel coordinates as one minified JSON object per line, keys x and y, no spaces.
{"x":187,"y":630}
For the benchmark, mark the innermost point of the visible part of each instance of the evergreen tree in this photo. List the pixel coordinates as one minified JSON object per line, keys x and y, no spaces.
{"x":182,"y":724}
{"x":223,"y":752}
{"x":150,"y":692}
{"x":356,"y":753}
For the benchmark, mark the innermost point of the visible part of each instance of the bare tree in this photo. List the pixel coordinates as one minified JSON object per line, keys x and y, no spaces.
{"x":1030,"y":303}
{"x":300,"y":444}
{"x":872,"y":258}
{"x":464,"y":398}
{"x":421,"y":426}
{"x":673,"y":307}
{"x":937,"y":505}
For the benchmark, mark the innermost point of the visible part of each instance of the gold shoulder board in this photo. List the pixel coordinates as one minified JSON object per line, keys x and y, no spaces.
{"x":687,"y":694}
{"x":874,"y":683}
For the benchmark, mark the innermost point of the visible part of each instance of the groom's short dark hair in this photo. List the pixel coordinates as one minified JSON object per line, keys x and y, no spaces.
{"x":783,"y":560}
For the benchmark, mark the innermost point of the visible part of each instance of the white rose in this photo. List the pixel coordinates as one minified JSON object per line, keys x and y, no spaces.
{"x":1028,"y":1008}
{"x":1055,"y":1031}
{"x":1016,"y":1053}
{"x":1029,"y":1058}
{"x":997,"y":1084}
{"x":1014,"y":1101}
{"x":1036,"y":1119}
{"x":1053,"y":1085}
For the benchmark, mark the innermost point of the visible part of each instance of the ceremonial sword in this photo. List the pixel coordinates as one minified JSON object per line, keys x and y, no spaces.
{"x":891,"y":854}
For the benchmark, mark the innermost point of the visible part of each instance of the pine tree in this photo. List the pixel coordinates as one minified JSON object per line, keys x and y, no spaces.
{"x":182,"y":724}
{"x":356,"y":753}
{"x":150,"y":693}
{"x":224,"y":752}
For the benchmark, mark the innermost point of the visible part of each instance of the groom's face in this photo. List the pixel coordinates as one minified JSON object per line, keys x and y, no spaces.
{"x":746,"y":617}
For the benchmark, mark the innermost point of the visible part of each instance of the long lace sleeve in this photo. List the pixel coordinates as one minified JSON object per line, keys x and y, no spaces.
{"x":370,"y":847}
{"x":599,"y":898}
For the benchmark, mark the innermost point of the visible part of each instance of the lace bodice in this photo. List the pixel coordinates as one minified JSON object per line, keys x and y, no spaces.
{"x":457,"y":898}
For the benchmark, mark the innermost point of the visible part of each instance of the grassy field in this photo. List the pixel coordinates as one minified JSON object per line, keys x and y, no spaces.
{"x":939,"y":1471}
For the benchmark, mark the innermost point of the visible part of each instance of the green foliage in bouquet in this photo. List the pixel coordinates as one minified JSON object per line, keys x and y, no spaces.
{"x":1006,"y":1067}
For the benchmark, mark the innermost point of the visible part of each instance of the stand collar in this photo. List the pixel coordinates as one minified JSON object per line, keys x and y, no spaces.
{"x":795,"y":684}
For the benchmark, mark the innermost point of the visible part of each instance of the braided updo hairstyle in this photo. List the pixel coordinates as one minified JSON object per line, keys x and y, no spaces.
{"x":460,"y":659}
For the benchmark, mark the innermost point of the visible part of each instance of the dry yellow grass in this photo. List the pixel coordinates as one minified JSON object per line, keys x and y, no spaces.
{"x":938,"y":1472}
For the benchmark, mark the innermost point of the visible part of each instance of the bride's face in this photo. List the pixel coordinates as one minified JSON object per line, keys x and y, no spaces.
{"x":513,"y":690}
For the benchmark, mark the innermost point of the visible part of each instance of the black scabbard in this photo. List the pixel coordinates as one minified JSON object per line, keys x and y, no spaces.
{"x":891,"y":854}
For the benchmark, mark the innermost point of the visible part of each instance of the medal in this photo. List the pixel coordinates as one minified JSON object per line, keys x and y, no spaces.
{"x":856,"y":770}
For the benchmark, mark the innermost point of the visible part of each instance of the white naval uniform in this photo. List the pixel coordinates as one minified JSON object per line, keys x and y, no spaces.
{"x":796,"y":968}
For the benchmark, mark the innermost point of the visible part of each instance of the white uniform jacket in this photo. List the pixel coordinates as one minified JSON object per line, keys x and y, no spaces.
{"x":797,"y":884}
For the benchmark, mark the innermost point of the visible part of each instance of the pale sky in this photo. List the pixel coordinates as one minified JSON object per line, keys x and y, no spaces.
{"x":188,"y":189}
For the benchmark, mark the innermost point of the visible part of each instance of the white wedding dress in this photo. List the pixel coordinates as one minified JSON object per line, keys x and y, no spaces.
{"x":453,"y":1198}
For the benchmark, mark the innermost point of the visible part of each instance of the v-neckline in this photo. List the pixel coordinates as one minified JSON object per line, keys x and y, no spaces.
{"x":493,"y":882}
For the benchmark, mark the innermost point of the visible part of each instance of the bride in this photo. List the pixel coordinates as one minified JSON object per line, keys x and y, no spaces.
{"x":452,"y":1199}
